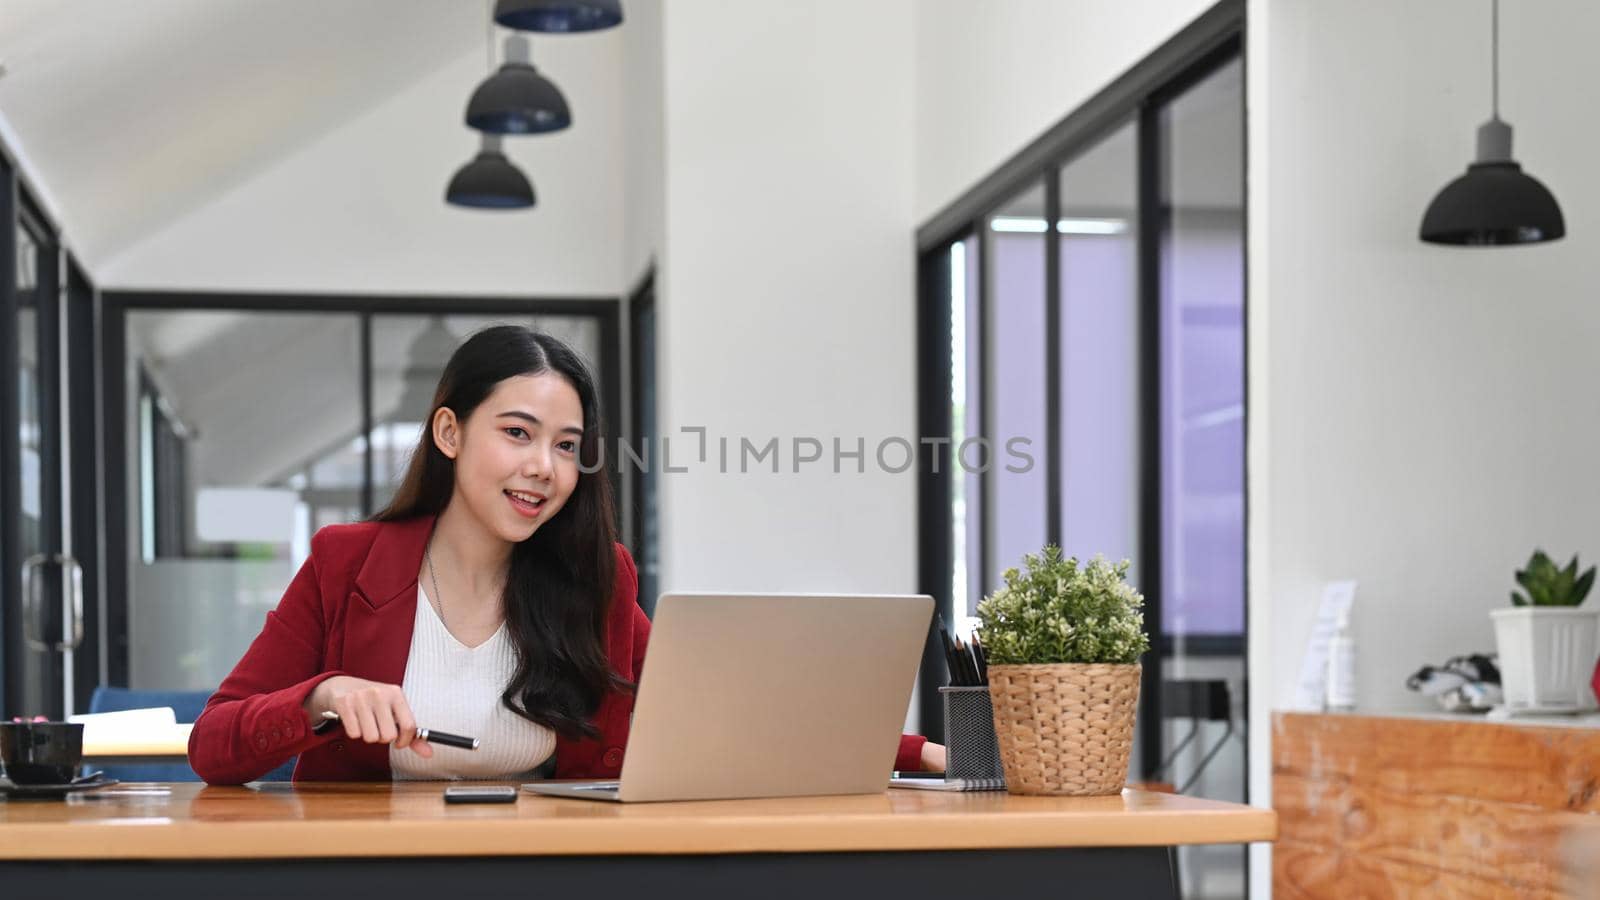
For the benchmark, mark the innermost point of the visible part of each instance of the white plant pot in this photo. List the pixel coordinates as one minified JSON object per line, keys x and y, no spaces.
{"x":1547,"y":657}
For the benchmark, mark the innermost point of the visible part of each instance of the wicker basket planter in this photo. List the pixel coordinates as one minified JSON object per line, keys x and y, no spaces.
{"x":1064,"y":728}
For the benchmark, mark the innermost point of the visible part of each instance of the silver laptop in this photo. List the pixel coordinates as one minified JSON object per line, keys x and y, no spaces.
{"x":768,"y":695}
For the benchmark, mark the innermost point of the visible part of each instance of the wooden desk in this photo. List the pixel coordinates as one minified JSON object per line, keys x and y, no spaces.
{"x":1583,"y":859}
{"x":1430,"y":805}
{"x":231,"y":841}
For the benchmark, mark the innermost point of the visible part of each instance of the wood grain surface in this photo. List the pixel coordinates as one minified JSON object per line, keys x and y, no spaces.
{"x":192,"y":821}
{"x":1386,"y":806}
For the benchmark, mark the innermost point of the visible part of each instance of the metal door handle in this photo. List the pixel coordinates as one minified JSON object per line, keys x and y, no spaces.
{"x":33,"y":603}
{"x":77,"y":603}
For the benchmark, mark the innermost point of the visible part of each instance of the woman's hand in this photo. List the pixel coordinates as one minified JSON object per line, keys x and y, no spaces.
{"x":933,"y":757}
{"x":371,"y":711}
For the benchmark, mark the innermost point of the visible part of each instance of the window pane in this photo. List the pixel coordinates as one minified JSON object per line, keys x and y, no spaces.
{"x":1099,"y":233}
{"x":41,"y":691}
{"x":409,"y":353}
{"x":220,"y":401}
{"x":29,"y":415}
{"x":1014,"y":384}
{"x":1202,"y":349}
{"x":966,"y":392}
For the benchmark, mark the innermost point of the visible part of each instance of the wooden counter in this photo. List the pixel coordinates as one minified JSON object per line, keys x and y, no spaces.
{"x":192,"y":821}
{"x":192,"y":837}
{"x":1396,"y":806}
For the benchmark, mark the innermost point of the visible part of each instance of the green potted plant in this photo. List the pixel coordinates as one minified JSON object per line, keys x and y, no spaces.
{"x":1547,"y":639}
{"x":1063,"y":642}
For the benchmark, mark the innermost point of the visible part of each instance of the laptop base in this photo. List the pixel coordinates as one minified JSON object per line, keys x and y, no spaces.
{"x":587,"y":790}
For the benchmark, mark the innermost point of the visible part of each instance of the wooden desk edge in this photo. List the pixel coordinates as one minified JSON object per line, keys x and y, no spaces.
{"x":158,"y":839}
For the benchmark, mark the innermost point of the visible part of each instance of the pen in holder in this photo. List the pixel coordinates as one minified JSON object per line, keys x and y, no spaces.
{"x":971,"y":749}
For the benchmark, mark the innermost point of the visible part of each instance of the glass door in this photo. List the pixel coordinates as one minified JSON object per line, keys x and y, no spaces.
{"x":43,"y":595}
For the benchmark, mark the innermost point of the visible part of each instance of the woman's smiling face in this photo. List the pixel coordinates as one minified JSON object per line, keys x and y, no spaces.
{"x":517,"y":460}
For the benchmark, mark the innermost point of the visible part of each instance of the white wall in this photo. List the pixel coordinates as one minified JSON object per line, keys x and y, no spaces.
{"x":1422,"y":417}
{"x":991,"y":77}
{"x":786,"y":295}
{"x":786,"y":282}
{"x":643,"y":165}
{"x":361,"y":209}
{"x":1260,"y":657}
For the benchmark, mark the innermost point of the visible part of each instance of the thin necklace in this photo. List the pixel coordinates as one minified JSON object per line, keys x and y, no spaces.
{"x":438,"y":601}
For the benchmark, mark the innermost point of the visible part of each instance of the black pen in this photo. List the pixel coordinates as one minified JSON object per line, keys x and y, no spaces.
{"x":968,"y":676}
{"x":331,"y":718}
{"x":949,"y":653}
{"x":447,"y":739}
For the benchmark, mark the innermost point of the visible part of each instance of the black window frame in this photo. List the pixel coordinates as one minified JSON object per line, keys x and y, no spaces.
{"x":643,"y":529}
{"x":169,"y":465}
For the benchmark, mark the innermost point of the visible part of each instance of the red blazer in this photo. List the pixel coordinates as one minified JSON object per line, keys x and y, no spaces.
{"x":350,"y":611}
{"x":1596,"y":682}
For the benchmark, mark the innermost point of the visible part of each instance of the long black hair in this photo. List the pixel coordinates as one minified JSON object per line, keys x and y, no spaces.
{"x":557,"y":596}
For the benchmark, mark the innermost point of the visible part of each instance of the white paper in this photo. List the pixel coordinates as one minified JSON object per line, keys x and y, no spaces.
{"x":127,"y":725}
{"x":153,"y":731}
{"x":1337,"y":597}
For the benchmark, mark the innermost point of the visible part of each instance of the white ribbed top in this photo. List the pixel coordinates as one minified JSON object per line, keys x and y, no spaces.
{"x":455,"y":688}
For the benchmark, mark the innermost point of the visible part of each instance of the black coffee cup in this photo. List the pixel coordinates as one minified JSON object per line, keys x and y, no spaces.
{"x":40,"y":752}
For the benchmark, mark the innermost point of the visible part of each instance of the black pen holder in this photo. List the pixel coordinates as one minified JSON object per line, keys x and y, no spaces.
{"x":971,"y":750}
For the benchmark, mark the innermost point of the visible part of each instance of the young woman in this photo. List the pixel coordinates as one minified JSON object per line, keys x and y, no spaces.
{"x":490,"y":599}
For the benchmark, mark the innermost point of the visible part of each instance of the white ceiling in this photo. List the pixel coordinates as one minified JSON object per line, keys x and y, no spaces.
{"x":133,"y":114}
{"x":296,"y":146}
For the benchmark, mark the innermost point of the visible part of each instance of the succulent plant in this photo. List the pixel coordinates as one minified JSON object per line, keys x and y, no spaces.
{"x":1549,"y":585}
{"x":1060,"y":612}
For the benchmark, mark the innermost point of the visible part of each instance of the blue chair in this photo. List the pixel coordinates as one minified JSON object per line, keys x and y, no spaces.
{"x":187,"y":705}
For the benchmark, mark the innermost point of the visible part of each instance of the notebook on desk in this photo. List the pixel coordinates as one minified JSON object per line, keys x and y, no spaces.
{"x":928,"y":781}
{"x":768,"y":695}
{"x":152,"y":731}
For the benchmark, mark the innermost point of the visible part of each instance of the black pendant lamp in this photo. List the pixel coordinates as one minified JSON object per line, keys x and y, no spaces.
{"x":490,"y":181}
{"x":517,"y":99}
{"x":1495,"y":202}
{"x":557,"y":16}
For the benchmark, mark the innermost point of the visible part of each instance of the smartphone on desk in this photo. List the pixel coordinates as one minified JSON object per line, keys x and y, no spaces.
{"x":486,"y":793}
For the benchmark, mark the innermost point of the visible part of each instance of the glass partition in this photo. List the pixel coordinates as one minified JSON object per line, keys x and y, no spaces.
{"x":409,"y":353}
{"x":1098,"y":235}
{"x":241,"y":418}
{"x":246,"y":435}
{"x":1015,"y":409}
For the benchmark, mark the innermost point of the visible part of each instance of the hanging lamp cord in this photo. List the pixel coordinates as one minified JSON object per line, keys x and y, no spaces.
{"x":1494,"y":32}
